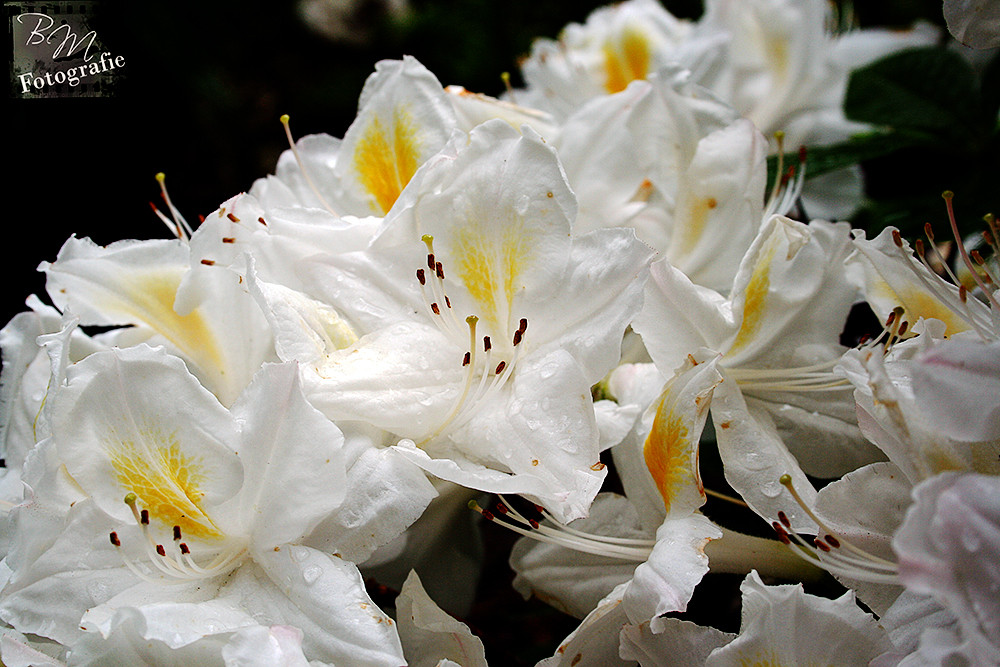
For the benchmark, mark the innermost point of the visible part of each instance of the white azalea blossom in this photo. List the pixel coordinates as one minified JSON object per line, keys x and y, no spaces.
{"x":975,"y":23}
{"x":478,"y":334}
{"x":208,"y":540}
{"x":780,"y":625}
{"x":778,"y":410}
{"x":668,"y":159}
{"x":220,"y":333}
{"x":654,"y":546}
{"x":429,"y":635}
{"x":949,"y":549}
{"x":474,"y":332}
{"x":918,"y":447}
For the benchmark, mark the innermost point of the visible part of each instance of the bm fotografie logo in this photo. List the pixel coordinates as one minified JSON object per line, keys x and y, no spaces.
{"x":57,"y":52}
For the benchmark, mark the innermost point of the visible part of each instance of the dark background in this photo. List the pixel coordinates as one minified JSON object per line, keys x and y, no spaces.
{"x":202,"y":91}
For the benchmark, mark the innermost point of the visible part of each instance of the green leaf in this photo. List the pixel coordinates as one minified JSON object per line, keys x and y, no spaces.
{"x":929,"y":90}
{"x":824,"y":159}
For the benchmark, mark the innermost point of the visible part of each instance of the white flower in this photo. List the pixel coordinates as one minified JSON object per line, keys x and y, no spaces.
{"x":482,"y":322}
{"x":779,"y":409}
{"x":133,"y":285}
{"x":975,"y":23}
{"x":430,"y":636}
{"x":671,"y":161}
{"x":654,"y":544}
{"x":218,"y":506}
{"x":780,"y":625}
{"x":949,"y":549}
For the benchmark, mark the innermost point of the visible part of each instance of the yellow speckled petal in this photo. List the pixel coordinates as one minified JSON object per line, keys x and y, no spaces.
{"x":627,"y":57}
{"x":403,"y":118}
{"x":136,"y":421}
{"x":671,"y":448}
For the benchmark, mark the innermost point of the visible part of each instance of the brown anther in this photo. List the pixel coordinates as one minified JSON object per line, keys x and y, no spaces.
{"x":502,"y":365}
{"x":963,"y":294}
{"x":177,"y":533}
{"x":821,"y":545}
{"x":902,"y":327}
{"x":802,"y":153}
{"x":897,"y":238}
{"x":430,"y":261}
{"x":114,"y":539}
{"x":467,"y":359}
{"x":201,"y":218}
{"x":144,"y":517}
{"x":523,"y":325}
{"x":488,"y":515}
{"x":977,"y":258}
{"x":832,"y":541}
{"x":447,"y":301}
{"x":533,"y":523}
{"x":261,"y":221}
{"x":783,"y":518}
{"x":420,"y":277}
{"x":929,"y":232}
{"x":160,"y":550}
{"x":439,"y":270}
{"x":517,"y":337}
{"x":232,"y":217}
{"x":782,"y":534}
{"x":228,"y":239}
{"x":919,"y":247}
{"x":598,"y":466}
{"x":208,"y":262}
{"x":184,"y":548}
{"x":435,"y":309}
{"x":501,"y":508}
{"x":487,"y":344}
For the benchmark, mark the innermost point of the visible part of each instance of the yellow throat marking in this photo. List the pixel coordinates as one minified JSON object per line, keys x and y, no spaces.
{"x":490,"y":265}
{"x":387,"y":157}
{"x":627,"y":60}
{"x":165,"y":480}
{"x":667,"y":452}
{"x":755,"y":297}
{"x":152,"y":301}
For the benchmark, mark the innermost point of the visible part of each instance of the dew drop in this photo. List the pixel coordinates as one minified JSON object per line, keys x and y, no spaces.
{"x":311,"y":574}
{"x":771,"y":489}
{"x":971,"y":541}
{"x":99,"y":591}
{"x":523,"y":202}
{"x":300,"y":553}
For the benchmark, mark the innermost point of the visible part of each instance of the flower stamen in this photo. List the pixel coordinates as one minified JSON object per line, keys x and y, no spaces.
{"x":178,"y":226}
{"x":839,"y":556}
{"x":302,"y":167}
{"x":176,"y":567}
{"x":559,"y":534}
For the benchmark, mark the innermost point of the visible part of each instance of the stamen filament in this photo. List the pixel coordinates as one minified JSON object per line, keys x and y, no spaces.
{"x":302,"y":167}
{"x":858,"y":564}
{"x":948,"y":196}
{"x":180,"y":226}
{"x":576,"y":544}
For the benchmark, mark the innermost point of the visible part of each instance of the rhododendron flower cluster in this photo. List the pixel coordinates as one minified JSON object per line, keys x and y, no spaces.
{"x":543,"y":313}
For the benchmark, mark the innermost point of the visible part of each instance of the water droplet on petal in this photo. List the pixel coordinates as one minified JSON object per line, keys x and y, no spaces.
{"x":99,"y":591}
{"x":300,"y":553}
{"x":771,"y":489}
{"x":311,"y":574}
{"x":523,"y":202}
